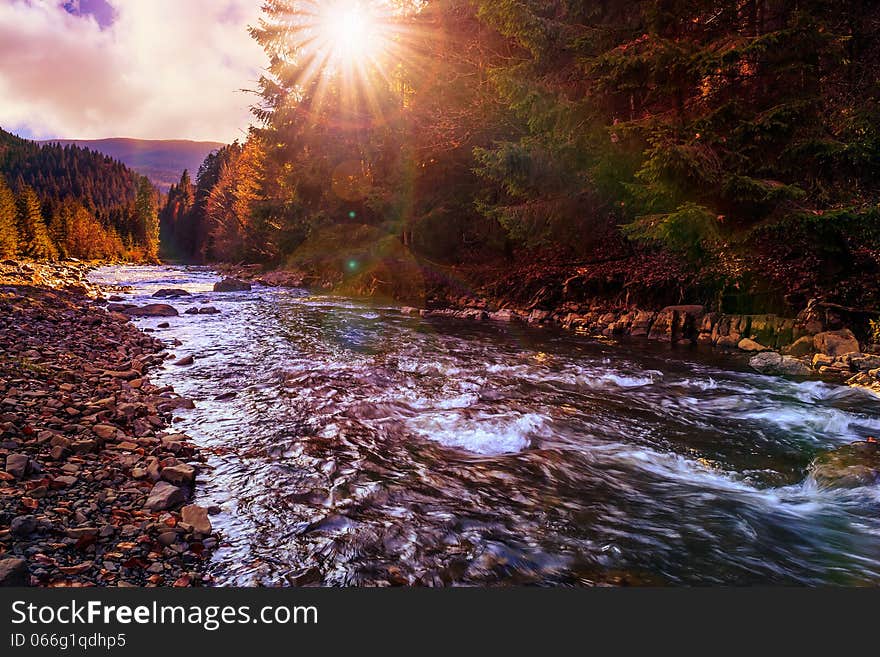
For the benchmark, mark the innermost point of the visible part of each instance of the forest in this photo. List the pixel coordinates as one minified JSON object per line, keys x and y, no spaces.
{"x":717,"y":151}
{"x":69,"y":202}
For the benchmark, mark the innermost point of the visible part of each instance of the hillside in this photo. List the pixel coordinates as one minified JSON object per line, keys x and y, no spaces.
{"x":70,"y":201}
{"x":162,"y":161}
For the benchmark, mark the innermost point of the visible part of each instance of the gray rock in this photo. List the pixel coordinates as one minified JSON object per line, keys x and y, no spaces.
{"x":165,"y":496}
{"x":14,"y":572}
{"x":776,"y":364}
{"x":209,"y":310}
{"x":766,"y":363}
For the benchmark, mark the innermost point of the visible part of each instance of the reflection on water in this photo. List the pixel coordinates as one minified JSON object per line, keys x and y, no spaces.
{"x":365,"y":447}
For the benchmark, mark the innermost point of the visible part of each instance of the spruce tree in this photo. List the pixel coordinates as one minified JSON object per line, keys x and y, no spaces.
{"x":38,"y":244}
{"x":9,"y":237}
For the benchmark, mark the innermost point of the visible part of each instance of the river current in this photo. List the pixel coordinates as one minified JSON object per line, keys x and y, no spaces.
{"x":353,"y":445}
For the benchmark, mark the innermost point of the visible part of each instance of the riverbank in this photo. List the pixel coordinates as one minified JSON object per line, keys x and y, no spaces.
{"x":817,"y":343}
{"x":94,"y":489}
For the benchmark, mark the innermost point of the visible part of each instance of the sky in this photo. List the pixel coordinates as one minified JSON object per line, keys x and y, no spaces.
{"x":149,"y":69}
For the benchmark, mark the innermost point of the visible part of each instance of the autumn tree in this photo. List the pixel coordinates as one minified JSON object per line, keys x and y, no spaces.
{"x":147,"y":216}
{"x":35,"y":234}
{"x":9,"y":237}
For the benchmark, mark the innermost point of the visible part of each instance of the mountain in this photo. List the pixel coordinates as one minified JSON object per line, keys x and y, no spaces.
{"x":162,"y":161}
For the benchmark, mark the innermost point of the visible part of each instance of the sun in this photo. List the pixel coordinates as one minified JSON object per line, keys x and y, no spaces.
{"x":351,"y":33}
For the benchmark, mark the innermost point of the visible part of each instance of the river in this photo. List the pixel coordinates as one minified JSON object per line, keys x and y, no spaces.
{"x":366,"y":447}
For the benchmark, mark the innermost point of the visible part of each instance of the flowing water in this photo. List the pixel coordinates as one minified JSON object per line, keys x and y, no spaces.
{"x":366,"y":447}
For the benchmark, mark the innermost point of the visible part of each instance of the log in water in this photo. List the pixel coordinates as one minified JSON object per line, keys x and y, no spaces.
{"x":354,"y":445}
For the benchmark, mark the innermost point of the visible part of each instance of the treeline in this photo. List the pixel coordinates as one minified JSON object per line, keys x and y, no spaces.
{"x":718,"y":150}
{"x":69,"y":202}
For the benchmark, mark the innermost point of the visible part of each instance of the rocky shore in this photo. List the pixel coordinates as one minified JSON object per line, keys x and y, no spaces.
{"x":814,"y":344}
{"x":817,"y":343}
{"x":94,"y":490}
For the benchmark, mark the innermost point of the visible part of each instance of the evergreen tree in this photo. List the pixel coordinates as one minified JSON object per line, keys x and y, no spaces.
{"x":35,"y":234}
{"x":147,"y":217}
{"x":9,"y":236}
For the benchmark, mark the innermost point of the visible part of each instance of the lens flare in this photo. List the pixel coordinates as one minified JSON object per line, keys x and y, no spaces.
{"x":350,"y":32}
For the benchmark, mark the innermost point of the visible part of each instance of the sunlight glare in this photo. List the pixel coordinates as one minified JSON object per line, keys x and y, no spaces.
{"x":351,"y":33}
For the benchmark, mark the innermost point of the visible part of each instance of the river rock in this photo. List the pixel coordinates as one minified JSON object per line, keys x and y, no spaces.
{"x":852,"y":466}
{"x":283,"y":279}
{"x":773,"y":363}
{"x":751,"y":346}
{"x":23,"y":526}
{"x":232,"y":285}
{"x":14,"y":572}
{"x":105,"y":431}
{"x":802,"y":347}
{"x":179,"y":475}
{"x":836,"y":343}
{"x":186,"y":360}
{"x":165,"y":496}
{"x":171,"y":293}
{"x":209,"y":310}
{"x":18,"y":465}
{"x":153,"y":310}
{"x":197,"y":517}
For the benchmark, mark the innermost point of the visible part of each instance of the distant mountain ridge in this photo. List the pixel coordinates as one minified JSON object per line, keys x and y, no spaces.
{"x":162,"y":161}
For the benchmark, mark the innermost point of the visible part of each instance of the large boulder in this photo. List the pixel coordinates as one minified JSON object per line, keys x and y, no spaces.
{"x":153,"y":310}
{"x":852,"y":466}
{"x":232,"y":285}
{"x":836,"y":343}
{"x":804,"y":346}
{"x":775,"y":364}
{"x":747,"y":344}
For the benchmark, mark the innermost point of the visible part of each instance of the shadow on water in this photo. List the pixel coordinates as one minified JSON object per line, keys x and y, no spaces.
{"x":365,"y":447}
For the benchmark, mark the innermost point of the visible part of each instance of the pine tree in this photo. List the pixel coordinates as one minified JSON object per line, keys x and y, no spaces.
{"x":147,"y":216}
{"x":9,"y":236}
{"x":35,"y":234}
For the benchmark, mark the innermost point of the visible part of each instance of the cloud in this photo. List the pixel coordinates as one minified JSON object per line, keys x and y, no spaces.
{"x":155,"y":70}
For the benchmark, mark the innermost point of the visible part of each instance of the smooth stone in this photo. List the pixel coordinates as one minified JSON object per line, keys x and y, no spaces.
{"x":18,"y":465}
{"x":165,"y":496}
{"x":179,"y":474}
{"x":836,"y":343}
{"x":14,"y":572}
{"x":153,"y":310}
{"x":852,"y":466}
{"x":23,"y":526}
{"x":232,"y":285}
{"x":170,"y":293}
{"x":196,"y":516}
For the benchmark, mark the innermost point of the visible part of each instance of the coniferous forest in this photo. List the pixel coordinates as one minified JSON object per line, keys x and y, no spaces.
{"x":725,"y":152}
{"x":69,"y":202}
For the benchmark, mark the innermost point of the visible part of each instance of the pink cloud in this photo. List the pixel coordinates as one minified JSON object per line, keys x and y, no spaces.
{"x":161,"y":69}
